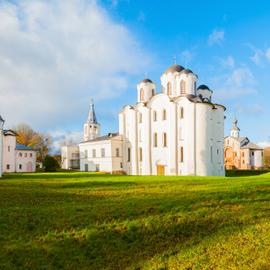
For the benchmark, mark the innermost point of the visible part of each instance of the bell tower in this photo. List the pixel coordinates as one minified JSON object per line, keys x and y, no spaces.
{"x":91,"y":128}
{"x":235,"y":130}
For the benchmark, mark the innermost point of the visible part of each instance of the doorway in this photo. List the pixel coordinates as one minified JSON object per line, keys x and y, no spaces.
{"x":160,"y":169}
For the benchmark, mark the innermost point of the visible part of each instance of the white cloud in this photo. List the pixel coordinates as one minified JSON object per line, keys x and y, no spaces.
{"x":61,"y":137}
{"x":257,"y":57}
{"x":240,"y":82}
{"x":264,"y":144}
{"x":267,"y":53}
{"x":186,"y":57}
{"x":227,"y":62}
{"x":250,"y":109}
{"x":55,"y":55}
{"x":216,"y":37}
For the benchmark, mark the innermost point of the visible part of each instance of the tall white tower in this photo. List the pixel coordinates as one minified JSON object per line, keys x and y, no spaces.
{"x":235,"y":130}
{"x":91,"y":127}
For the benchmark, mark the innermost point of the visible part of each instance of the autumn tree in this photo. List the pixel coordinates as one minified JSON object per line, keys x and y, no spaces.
{"x":39,"y":141}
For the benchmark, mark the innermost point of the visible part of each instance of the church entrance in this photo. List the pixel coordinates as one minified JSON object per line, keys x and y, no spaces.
{"x":160,"y":169}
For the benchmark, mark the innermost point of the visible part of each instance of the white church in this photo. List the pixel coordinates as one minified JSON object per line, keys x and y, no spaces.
{"x":179,"y":131}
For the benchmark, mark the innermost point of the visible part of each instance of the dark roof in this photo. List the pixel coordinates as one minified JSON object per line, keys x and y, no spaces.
{"x":23,"y":147}
{"x":251,"y":145}
{"x":146,"y":81}
{"x":10,"y":132}
{"x":203,"y":87}
{"x":174,"y":68}
{"x":187,"y":71}
{"x":103,"y":138}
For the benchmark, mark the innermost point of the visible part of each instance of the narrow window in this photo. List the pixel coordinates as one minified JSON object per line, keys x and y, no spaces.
{"x":20,"y":166}
{"x":155,"y":116}
{"x":141,"y":95}
{"x":182,"y":87}
{"x":25,"y":154}
{"x":181,"y":112}
{"x":31,"y":154}
{"x":8,"y":166}
{"x":94,"y":153}
{"x":140,"y":117}
{"x":20,"y":154}
{"x":140,"y":154}
{"x":211,"y":153}
{"x":117,"y":152}
{"x":181,"y":154}
{"x":86,"y":153}
{"x":8,"y":148}
{"x":153,"y":92}
{"x":155,"y":140}
{"x":164,"y":139}
{"x":164,"y":115}
{"x":169,"y":88}
{"x":128,"y":157}
{"x":102,"y":152}
{"x":121,"y":165}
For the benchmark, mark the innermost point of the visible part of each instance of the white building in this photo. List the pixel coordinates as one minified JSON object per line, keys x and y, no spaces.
{"x":240,"y":153}
{"x":179,"y":131}
{"x":17,"y":157}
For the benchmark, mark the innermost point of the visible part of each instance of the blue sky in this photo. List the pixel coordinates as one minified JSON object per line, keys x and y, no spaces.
{"x":57,"y":55}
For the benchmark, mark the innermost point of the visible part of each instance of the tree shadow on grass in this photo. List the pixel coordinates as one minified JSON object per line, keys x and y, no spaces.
{"x":122,"y":246}
{"x":107,"y":232}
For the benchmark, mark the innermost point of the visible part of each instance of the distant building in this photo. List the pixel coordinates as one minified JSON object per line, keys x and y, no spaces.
{"x":70,"y":157}
{"x":240,"y":153}
{"x":17,"y":157}
{"x":179,"y":131}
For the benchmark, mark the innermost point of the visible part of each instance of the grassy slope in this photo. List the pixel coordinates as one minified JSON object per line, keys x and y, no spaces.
{"x":84,"y":221}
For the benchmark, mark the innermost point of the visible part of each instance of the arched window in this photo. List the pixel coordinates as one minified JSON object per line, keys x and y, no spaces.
{"x":169,"y":88}
{"x":182,"y":87}
{"x":164,"y":115}
{"x":140,"y":117}
{"x":164,"y":139}
{"x":155,"y":116}
{"x":141,"y":95}
{"x":153,"y":92}
{"x":181,"y":113}
{"x":155,"y":140}
{"x":140,"y":154}
{"x":181,"y":154}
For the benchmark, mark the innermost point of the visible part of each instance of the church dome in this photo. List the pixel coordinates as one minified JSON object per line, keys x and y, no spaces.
{"x":187,"y":71}
{"x":174,"y":68}
{"x":203,"y":87}
{"x":146,"y":81}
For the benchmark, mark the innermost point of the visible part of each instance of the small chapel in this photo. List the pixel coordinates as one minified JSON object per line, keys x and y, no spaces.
{"x":178,"y":130}
{"x":240,"y":153}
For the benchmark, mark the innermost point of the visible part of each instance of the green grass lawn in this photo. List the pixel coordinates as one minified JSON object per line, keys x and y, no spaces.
{"x":87,"y":221}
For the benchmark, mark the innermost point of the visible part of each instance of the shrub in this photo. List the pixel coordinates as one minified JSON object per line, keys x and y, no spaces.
{"x":50,"y":164}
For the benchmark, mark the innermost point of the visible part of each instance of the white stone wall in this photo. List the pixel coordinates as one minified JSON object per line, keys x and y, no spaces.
{"x":9,"y":153}
{"x":107,"y":163}
{"x":68,"y":154}
{"x":17,"y":160}
{"x":25,"y":161}
{"x":202,"y":133}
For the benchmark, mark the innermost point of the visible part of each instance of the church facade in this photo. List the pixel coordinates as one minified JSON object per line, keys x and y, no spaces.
{"x":178,"y":131}
{"x":240,"y":153}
